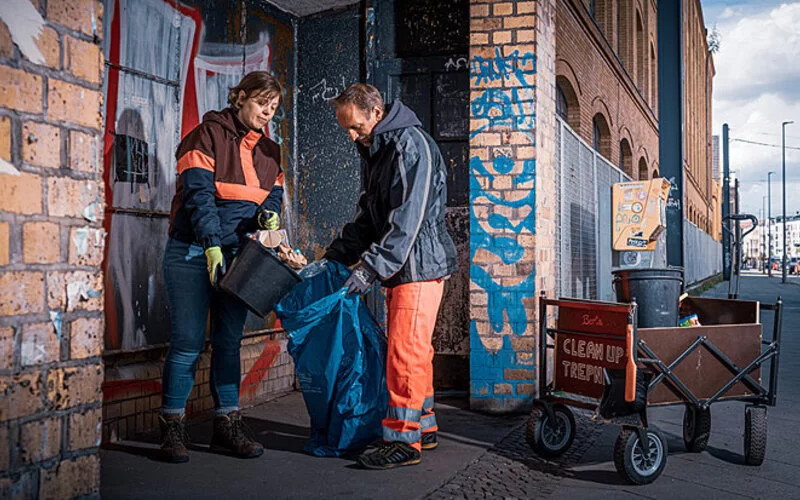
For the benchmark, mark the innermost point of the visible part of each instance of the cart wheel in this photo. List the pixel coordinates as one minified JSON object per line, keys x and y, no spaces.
{"x":755,"y":434}
{"x":548,"y":439}
{"x":696,"y":428}
{"x":636,"y":465}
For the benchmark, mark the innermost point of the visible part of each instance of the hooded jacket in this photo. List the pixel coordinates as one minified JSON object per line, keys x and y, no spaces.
{"x":399,"y":229}
{"x":227,"y":174}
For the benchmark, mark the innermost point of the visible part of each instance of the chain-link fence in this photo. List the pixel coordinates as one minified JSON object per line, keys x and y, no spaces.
{"x":583,"y":230}
{"x":583,"y":223}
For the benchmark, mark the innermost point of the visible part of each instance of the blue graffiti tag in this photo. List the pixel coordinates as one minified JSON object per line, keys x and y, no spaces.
{"x":502,"y":109}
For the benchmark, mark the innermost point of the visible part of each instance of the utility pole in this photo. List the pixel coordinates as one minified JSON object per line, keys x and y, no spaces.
{"x":763,"y":235}
{"x":769,"y":222}
{"x":783,"y":178}
{"x":726,"y":207}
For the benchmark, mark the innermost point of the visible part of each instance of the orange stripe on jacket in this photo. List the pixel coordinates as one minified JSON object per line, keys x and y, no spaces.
{"x":228,"y":191}
{"x":195,"y":159}
{"x":246,"y":154}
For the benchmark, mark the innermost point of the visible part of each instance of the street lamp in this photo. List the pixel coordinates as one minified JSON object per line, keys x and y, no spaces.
{"x":785,"y":243}
{"x":769,"y":223}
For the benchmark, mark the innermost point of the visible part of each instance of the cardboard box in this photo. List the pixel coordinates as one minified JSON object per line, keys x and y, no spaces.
{"x":638,"y":214}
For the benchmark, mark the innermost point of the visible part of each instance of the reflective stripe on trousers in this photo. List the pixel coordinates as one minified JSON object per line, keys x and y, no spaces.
{"x":411,"y":309}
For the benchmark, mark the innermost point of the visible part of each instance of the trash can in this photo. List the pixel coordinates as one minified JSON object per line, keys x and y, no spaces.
{"x":258,"y":277}
{"x":657,"y":292}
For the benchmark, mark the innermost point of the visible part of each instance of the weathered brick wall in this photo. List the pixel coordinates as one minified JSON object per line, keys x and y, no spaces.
{"x":132,"y":387}
{"x":51,"y":199}
{"x":512,"y":80}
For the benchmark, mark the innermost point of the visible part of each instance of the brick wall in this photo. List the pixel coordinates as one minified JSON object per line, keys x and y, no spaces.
{"x":512,"y":162}
{"x":51,"y":322}
{"x":132,"y":387}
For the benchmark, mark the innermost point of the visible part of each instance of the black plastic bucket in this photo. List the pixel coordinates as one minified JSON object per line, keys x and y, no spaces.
{"x":258,"y":278}
{"x":657,"y":292}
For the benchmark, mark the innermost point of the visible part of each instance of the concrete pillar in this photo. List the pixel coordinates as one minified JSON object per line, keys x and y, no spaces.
{"x":512,"y":195}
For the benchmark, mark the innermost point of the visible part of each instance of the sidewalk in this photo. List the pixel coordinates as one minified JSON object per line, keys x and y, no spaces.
{"x":485,"y":456}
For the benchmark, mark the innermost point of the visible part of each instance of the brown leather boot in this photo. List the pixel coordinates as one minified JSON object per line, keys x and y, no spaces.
{"x":174,"y":438}
{"x":230,"y":436}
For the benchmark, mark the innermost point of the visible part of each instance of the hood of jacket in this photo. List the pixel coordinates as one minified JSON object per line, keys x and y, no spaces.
{"x":229,"y":121}
{"x":397,"y":117}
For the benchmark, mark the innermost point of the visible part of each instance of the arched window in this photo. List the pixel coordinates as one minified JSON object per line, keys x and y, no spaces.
{"x":567,"y":106}
{"x":601,"y":136}
{"x":626,"y":157}
{"x":655,"y":173}
{"x":653,"y":79}
{"x":625,"y":34}
{"x":642,"y":169}
{"x":561,"y":103}
{"x":641,"y":56}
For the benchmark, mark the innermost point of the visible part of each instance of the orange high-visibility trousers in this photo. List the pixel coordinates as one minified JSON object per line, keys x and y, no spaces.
{"x":411,"y":310}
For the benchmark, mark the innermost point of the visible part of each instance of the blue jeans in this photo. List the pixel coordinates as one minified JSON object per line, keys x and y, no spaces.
{"x":190,"y":297}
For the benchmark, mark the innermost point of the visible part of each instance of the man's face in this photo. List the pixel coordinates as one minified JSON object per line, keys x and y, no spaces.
{"x":257,"y":111}
{"x":358,"y":124}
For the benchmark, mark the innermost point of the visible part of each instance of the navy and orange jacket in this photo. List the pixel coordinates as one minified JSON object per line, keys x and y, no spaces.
{"x":227,"y":174}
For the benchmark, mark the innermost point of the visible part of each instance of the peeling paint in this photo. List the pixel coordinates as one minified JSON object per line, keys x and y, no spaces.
{"x":91,"y":211}
{"x":7,"y":168}
{"x":25,"y":25}
{"x":78,"y":291}
{"x":81,"y":240}
{"x":55,"y":318}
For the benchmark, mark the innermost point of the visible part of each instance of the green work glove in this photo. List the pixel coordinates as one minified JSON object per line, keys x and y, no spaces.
{"x":269,"y":220}
{"x":215,"y":262}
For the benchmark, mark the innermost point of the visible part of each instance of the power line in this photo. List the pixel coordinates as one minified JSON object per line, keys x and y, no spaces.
{"x":774,"y":134}
{"x":763,"y":144}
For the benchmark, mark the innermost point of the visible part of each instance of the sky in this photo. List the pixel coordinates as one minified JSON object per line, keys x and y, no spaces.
{"x":756,"y":87}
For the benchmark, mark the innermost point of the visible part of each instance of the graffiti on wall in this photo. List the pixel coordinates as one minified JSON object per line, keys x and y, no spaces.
{"x":503,"y":222}
{"x":169,"y":63}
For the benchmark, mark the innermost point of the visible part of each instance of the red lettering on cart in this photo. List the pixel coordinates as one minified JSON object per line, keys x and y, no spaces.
{"x":591,"y":321}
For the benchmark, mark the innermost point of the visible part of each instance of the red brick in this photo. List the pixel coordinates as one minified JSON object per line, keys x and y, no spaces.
{"x":39,"y":344}
{"x":71,"y":478}
{"x":21,"y":292}
{"x":73,"y":103}
{"x":41,"y":144}
{"x":85,"y":429}
{"x":5,"y":460}
{"x":40,"y":440}
{"x":41,"y":243}
{"x":83,"y":59}
{"x":5,"y":138}
{"x":50,"y":46}
{"x":86,"y":338}
{"x":503,"y":389}
{"x":478,"y":10}
{"x":526,"y":389}
{"x":526,"y":36}
{"x":86,"y":246}
{"x":501,"y":37}
{"x":79,"y":15}
{"x":83,"y":152}
{"x":69,"y":197}
{"x":21,"y":194}
{"x":519,"y":374}
{"x":6,"y":349}
{"x":75,"y":290}
{"x":526,"y":7}
{"x":20,"y":90}
{"x":5,"y":242}
{"x":68,"y":387}
{"x":21,"y":395}
{"x":478,"y":38}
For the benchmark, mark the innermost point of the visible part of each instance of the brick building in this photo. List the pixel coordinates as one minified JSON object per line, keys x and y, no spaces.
{"x":93,"y":104}
{"x":607,"y":91}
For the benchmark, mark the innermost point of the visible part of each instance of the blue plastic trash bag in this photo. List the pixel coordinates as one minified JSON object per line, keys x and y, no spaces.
{"x":339,"y":353}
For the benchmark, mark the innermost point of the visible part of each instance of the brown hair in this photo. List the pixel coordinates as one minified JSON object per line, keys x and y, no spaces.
{"x":254,"y":84}
{"x":363,"y":95}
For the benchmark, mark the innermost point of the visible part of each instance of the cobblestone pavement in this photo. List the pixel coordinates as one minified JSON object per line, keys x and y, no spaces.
{"x":511,"y":469}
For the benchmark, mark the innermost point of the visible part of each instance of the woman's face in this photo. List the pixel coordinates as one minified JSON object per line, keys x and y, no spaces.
{"x":256,"y":112}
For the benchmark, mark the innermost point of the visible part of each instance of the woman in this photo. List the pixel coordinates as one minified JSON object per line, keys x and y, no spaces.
{"x":229,"y":183}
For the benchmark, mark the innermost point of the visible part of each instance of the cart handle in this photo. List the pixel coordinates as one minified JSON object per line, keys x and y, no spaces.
{"x":741,"y":217}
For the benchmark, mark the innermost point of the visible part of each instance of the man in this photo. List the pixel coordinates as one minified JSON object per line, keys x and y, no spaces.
{"x":400,"y":237}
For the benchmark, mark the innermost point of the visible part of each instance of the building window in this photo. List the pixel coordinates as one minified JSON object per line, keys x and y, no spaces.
{"x":593,"y":8}
{"x":642,"y":169}
{"x":561,"y":104}
{"x":601,"y":136}
{"x":626,"y":157}
{"x":641,"y":57}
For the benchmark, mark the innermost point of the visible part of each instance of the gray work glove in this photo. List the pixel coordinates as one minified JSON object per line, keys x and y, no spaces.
{"x":362,"y":278}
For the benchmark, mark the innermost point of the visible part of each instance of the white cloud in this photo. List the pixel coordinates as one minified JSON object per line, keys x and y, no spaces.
{"x":755,"y":89}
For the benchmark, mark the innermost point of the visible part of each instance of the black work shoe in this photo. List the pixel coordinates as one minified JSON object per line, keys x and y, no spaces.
{"x":232,"y":437}
{"x":174,"y":438}
{"x":430,"y":440}
{"x":390,"y":455}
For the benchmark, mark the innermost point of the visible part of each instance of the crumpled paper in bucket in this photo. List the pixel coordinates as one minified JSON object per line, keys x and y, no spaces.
{"x":277,"y":240}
